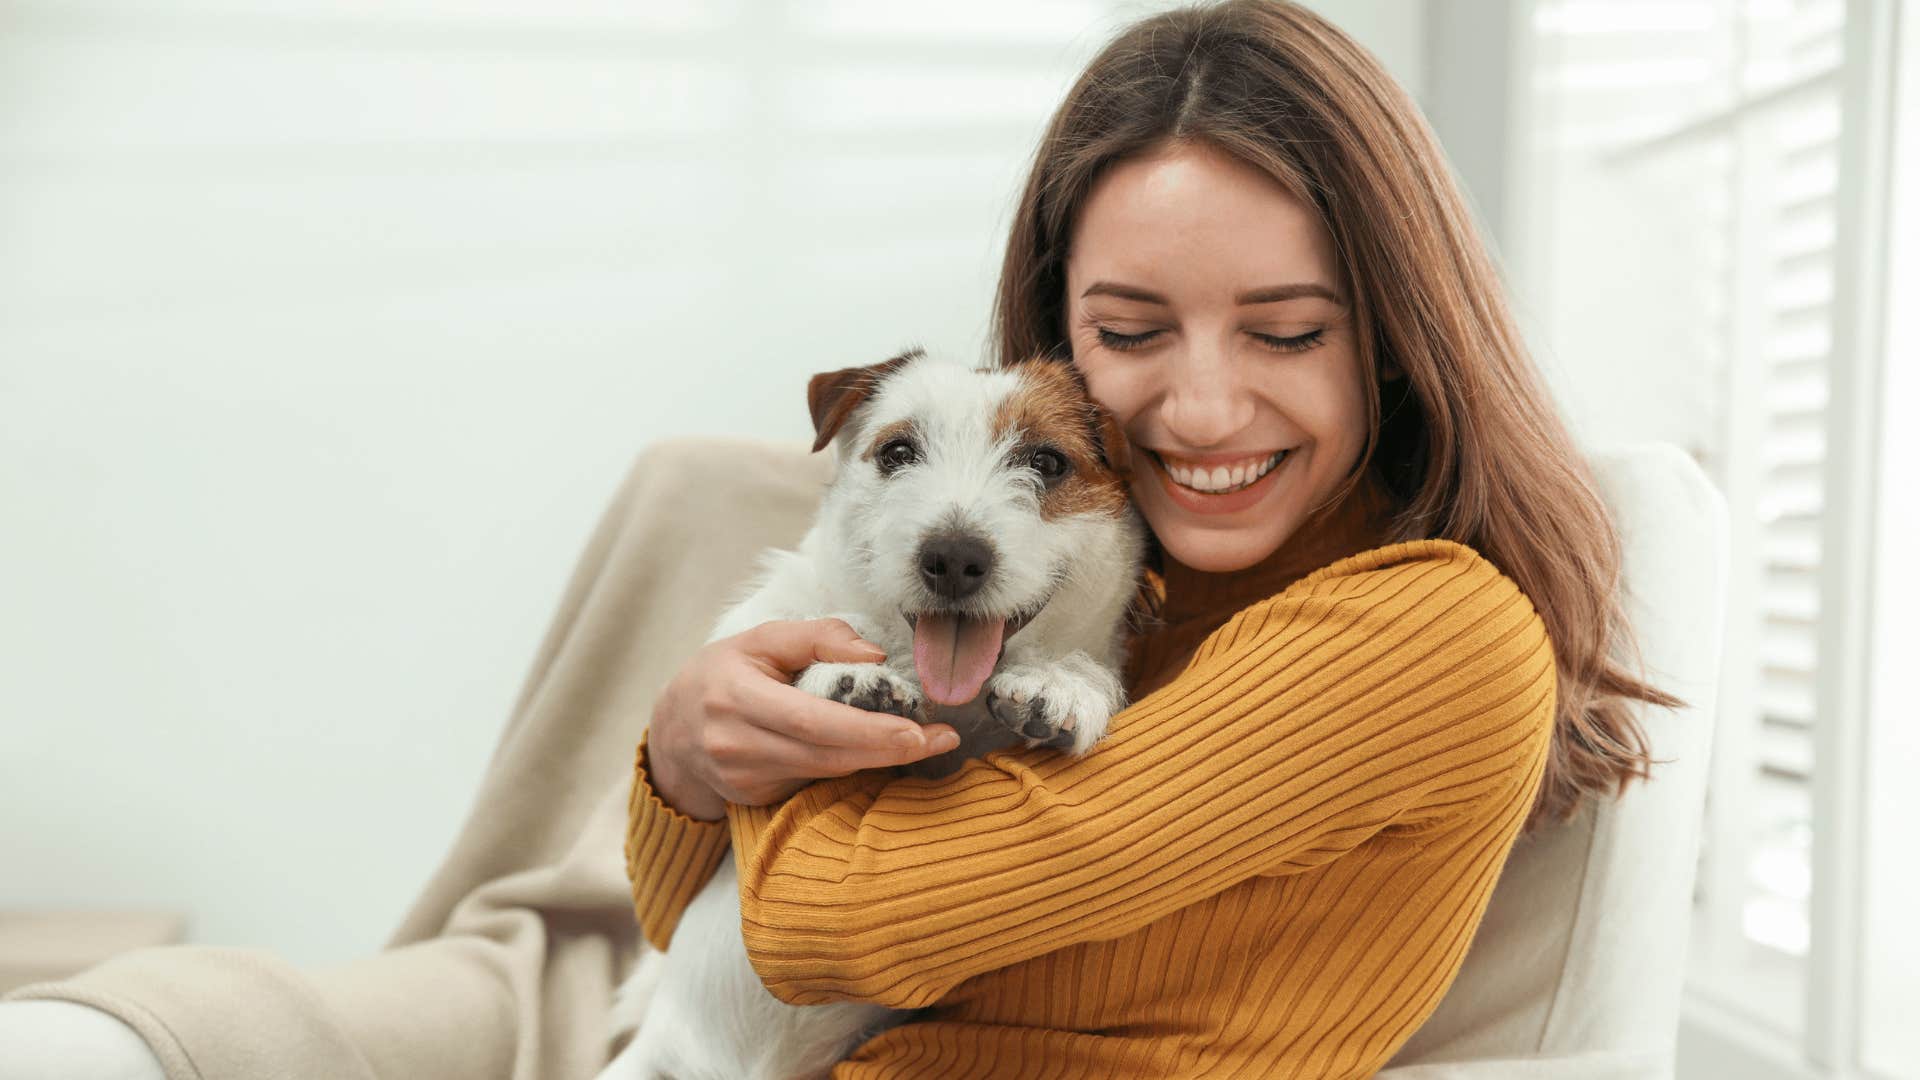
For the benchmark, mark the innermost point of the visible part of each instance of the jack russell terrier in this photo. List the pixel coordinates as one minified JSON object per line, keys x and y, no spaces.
{"x":977,"y":527}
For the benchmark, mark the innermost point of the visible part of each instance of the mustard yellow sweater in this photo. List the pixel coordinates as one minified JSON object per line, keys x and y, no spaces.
{"x":1270,"y":867}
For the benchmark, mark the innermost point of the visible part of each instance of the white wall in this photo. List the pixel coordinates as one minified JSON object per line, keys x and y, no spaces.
{"x":1890,"y":975}
{"x":327,"y":329}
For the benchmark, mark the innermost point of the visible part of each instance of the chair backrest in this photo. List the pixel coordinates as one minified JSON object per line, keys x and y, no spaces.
{"x":1560,"y":966}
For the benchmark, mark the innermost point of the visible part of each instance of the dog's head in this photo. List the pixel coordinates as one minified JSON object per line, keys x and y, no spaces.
{"x":968,"y":499}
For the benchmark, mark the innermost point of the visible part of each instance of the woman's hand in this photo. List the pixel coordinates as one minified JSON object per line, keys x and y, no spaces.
{"x":731,"y":727}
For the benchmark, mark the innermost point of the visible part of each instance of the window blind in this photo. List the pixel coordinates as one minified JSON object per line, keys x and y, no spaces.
{"x":1717,"y":121}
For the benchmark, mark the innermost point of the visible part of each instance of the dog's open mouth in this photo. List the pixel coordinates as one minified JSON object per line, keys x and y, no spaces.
{"x":954,"y":654}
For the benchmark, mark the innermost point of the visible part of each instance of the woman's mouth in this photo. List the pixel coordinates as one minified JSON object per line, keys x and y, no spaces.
{"x":1220,"y":479}
{"x":1224,"y":488}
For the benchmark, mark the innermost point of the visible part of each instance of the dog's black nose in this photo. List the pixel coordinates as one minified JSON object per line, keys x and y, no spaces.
{"x":955,"y":565}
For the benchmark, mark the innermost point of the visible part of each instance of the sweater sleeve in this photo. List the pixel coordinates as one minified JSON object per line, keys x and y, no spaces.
{"x":670,"y":856}
{"x":1403,"y":688}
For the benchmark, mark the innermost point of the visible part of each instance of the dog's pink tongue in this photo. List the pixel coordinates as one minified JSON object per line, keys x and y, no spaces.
{"x":954,"y":655}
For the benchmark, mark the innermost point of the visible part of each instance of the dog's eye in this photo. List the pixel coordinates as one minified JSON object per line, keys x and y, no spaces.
{"x":1050,"y":464}
{"x":896,"y":454}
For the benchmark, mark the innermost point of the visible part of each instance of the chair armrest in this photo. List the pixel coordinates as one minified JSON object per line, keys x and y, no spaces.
{"x":60,"y":1038}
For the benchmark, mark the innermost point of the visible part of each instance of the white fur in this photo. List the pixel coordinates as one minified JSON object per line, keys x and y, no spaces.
{"x":701,"y":1008}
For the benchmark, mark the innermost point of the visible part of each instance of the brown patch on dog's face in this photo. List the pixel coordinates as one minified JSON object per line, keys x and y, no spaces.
{"x":1051,"y":409}
{"x":899,"y":429}
{"x":832,"y":396}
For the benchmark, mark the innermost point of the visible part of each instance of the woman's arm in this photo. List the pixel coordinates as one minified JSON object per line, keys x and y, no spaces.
{"x":1408,"y":691}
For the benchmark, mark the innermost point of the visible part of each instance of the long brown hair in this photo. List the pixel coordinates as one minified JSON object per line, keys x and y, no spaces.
{"x":1468,"y":443}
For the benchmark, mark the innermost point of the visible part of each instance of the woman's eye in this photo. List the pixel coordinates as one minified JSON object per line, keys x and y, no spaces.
{"x":1050,"y":464}
{"x":896,"y":454}
{"x":1298,"y":343}
{"x":1123,"y":342}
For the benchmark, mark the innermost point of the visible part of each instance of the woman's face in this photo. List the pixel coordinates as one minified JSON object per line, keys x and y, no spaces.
{"x":1205,"y":311}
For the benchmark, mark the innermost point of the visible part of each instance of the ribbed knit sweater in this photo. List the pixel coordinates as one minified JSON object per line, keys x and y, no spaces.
{"x":1272,"y":865}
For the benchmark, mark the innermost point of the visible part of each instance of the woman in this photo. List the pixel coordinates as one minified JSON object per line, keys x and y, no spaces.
{"x":1378,"y":654}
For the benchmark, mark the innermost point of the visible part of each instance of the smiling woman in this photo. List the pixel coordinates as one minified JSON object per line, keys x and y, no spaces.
{"x":1383,"y":641}
{"x":1246,"y":398}
{"x":1243,"y":233}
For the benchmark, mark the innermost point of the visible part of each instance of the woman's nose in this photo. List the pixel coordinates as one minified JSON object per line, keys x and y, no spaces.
{"x":1206,"y":403}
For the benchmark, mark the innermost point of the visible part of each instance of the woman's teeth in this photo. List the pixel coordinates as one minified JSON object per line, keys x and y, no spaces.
{"x":1221,"y":479}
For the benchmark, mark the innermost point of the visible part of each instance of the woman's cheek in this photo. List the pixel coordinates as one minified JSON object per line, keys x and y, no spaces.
{"x":1095,"y":374}
{"x":1119,"y":392}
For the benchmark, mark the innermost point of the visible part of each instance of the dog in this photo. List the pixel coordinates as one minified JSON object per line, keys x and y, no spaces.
{"x":978,"y":528}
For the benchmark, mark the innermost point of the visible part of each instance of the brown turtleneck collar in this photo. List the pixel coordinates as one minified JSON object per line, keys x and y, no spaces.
{"x":1358,"y":524}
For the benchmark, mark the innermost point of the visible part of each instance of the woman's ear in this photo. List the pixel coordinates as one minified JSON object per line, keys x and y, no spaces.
{"x":832,"y":396}
{"x":1389,"y":371}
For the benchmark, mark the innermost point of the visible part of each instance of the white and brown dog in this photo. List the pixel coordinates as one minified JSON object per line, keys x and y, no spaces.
{"x":978,"y":530}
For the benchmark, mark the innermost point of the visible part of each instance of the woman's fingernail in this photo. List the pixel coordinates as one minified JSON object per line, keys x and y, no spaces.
{"x":945,"y":741}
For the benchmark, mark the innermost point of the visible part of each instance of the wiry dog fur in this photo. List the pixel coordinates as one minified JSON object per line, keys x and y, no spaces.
{"x":1058,"y":553}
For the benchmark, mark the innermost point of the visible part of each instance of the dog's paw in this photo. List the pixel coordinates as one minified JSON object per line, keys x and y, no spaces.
{"x":873,"y":687}
{"x":1050,"y":708}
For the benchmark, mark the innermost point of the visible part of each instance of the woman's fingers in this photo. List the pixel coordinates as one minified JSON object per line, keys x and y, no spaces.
{"x":756,"y":766}
{"x":790,"y":646}
{"x":801,"y":763}
{"x":830,"y":724}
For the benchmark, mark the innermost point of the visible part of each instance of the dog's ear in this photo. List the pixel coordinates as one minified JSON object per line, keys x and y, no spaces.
{"x":832,"y":396}
{"x":1108,"y":438}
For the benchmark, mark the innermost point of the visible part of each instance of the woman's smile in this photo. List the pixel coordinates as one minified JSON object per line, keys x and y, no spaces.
{"x":1218,"y":484}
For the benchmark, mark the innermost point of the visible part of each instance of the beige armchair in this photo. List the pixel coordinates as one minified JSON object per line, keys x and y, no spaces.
{"x":508,"y":959}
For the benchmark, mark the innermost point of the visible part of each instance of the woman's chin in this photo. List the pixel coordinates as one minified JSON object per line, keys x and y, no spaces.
{"x":1217,"y":551}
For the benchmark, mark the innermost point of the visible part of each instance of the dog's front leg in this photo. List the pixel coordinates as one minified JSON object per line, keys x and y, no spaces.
{"x":1063,"y":702}
{"x":878,"y":687}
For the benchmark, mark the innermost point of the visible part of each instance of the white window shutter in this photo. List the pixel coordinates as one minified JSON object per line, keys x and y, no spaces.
{"x":1724,"y":117}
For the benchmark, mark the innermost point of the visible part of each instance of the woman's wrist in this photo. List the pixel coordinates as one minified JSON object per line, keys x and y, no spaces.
{"x":677,"y":787}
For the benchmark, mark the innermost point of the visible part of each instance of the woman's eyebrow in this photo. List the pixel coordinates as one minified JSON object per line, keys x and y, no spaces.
{"x":1273,"y":293}
{"x":1267,"y":295}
